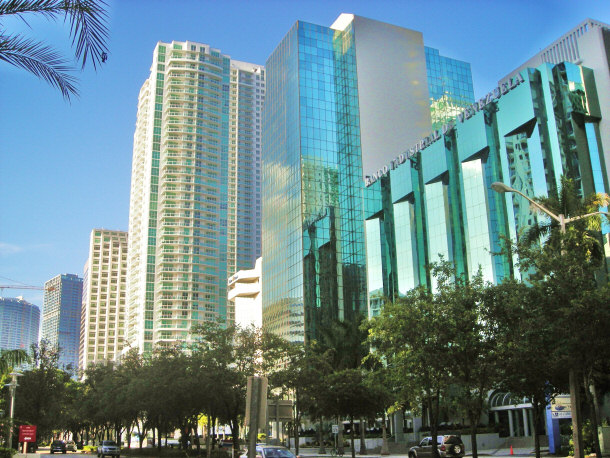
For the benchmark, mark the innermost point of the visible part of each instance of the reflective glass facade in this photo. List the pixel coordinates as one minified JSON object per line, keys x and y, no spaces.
{"x":61,"y":315}
{"x":313,"y":215}
{"x":449,"y":85}
{"x":19,"y":321}
{"x":529,"y":131}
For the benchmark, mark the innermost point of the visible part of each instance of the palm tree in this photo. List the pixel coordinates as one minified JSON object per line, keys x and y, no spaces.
{"x":88,"y":32}
{"x":568,"y":270}
{"x":584,"y":233}
{"x":10,"y":359}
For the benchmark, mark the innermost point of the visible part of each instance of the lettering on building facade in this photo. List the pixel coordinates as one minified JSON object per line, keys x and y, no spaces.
{"x":467,"y":113}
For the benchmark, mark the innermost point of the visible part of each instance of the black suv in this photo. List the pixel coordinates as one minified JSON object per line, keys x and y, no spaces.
{"x":448,"y":446}
{"x":58,"y":446}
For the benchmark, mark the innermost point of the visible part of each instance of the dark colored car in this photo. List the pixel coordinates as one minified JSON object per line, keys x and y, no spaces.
{"x":108,"y":448}
{"x":271,"y":451}
{"x":448,"y":446}
{"x":58,"y":447}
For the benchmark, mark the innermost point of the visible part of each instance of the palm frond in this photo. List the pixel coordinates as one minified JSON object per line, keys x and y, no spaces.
{"x":88,"y":28}
{"x":21,"y":8}
{"x":40,"y":60}
{"x":12,"y":358}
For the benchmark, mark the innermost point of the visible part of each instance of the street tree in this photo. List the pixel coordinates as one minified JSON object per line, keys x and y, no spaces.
{"x":526,"y":342}
{"x":564,"y":261}
{"x":231,"y":355}
{"x":43,"y":392}
{"x":344,"y":343}
{"x":348,"y":395}
{"x":473,"y":363}
{"x":409,"y":335}
{"x":380,"y":385}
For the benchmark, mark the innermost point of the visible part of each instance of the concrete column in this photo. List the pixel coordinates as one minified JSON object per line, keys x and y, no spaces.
{"x":497,"y":417}
{"x":511,"y":427}
{"x":526,"y":423}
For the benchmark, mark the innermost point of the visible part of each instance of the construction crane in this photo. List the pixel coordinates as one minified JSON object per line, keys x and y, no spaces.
{"x":39,"y":288}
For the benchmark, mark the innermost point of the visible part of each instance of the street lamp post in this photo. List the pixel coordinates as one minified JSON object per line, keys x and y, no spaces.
{"x":574,"y":388}
{"x":12,"y":388}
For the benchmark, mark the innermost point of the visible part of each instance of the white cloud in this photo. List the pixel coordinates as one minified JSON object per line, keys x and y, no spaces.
{"x":7,"y":249}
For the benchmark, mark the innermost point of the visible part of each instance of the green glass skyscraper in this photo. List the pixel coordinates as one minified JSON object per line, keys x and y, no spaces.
{"x":340,"y":100}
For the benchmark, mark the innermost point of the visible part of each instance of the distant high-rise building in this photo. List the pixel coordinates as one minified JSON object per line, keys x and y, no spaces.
{"x":340,"y":100}
{"x":195,"y":207}
{"x":102,"y":326}
{"x":61,"y":315}
{"x":19,"y":321}
{"x":245,"y":301}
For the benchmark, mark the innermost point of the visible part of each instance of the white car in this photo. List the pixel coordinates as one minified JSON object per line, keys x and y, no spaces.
{"x":108,"y":448}
{"x":271,"y":451}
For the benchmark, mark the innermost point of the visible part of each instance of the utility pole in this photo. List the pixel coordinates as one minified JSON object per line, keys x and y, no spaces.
{"x":12,"y":389}
{"x":256,"y":410}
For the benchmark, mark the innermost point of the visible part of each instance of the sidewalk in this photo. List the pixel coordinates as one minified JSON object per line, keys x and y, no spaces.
{"x":517,"y":452}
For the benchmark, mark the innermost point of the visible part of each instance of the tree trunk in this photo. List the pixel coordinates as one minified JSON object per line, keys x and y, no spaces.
{"x":473,"y":437}
{"x":594,"y":419}
{"x":321,"y":449}
{"x":351,"y":435}
{"x":128,"y":434}
{"x":536,"y":414}
{"x":208,"y":444}
{"x":384,"y":437}
{"x":141,"y":435}
{"x":154,"y":437}
{"x":363,"y":436}
{"x":340,"y":448}
{"x":297,"y":424}
{"x":433,"y":409}
{"x":196,"y":438}
{"x":235,"y":434}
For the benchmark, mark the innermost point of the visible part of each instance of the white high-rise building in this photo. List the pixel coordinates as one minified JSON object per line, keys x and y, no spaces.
{"x":195,"y":206}
{"x":102,"y":334}
{"x":245,"y":300}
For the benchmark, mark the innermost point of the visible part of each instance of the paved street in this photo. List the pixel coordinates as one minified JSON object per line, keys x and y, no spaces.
{"x":313,"y":453}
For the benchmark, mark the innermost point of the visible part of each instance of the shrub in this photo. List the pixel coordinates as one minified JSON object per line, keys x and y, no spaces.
{"x":7,"y":452}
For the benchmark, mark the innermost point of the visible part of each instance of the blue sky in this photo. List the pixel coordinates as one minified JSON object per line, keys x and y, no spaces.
{"x":65,"y":167}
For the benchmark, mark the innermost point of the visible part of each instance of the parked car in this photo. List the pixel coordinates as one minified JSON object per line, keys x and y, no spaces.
{"x":58,"y":447}
{"x":270,"y":451}
{"x":448,"y":446}
{"x":71,"y":446}
{"x":108,"y":448}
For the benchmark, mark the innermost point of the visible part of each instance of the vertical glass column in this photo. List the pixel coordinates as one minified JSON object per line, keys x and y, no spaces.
{"x":477,"y":225}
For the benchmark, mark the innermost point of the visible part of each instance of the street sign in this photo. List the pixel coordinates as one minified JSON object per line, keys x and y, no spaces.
{"x":256,"y":393}
{"x":561,"y":406}
{"x":279,"y":410}
{"x":335,"y":429}
{"x":27,"y":433}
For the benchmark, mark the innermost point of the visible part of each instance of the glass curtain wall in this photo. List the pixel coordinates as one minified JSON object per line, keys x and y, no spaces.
{"x":313,"y":229}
